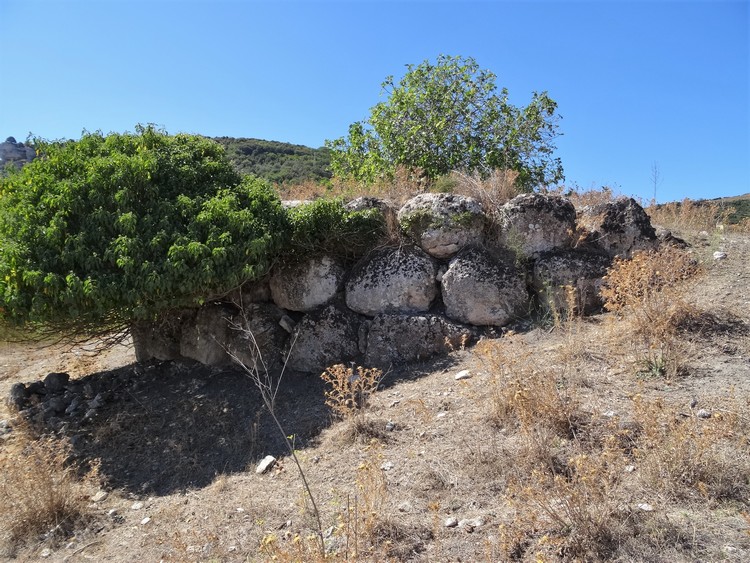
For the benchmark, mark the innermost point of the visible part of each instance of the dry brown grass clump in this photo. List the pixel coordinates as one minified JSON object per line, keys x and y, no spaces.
{"x":690,"y":216}
{"x":695,"y":453}
{"x":492,"y":191}
{"x":44,"y":498}
{"x":348,"y":394}
{"x":646,"y":291}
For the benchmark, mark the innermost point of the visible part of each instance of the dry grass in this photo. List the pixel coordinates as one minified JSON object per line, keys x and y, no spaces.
{"x":689,"y":216}
{"x":694,"y":455}
{"x":44,"y":498}
{"x":646,"y":290}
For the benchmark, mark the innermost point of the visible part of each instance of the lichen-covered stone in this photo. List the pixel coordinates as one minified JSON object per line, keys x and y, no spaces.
{"x":619,"y":227}
{"x":306,"y":285}
{"x":480,"y":289}
{"x":535,"y":223}
{"x":555,"y":273}
{"x":323,"y":338}
{"x":399,"y":280}
{"x":442,"y":224}
{"x":396,"y":339}
{"x":257,"y":336}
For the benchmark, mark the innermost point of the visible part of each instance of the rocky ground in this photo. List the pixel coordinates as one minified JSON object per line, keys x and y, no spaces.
{"x":176,"y":445}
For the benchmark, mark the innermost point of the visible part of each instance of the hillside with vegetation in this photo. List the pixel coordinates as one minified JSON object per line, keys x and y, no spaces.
{"x":277,"y":162}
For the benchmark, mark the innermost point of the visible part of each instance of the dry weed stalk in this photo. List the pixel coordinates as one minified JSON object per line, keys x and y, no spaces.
{"x":268,"y":386}
{"x":350,"y":389}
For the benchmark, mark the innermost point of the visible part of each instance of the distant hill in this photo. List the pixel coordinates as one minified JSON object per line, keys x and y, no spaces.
{"x":282,"y":163}
{"x":740,"y":203}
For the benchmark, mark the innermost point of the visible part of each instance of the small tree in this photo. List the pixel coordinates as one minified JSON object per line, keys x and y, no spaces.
{"x":448,"y":116}
{"x":100,"y":233}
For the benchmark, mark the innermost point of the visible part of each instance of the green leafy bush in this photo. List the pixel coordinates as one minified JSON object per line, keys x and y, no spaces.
{"x":101,"y":232}
{"x":326,"y":226}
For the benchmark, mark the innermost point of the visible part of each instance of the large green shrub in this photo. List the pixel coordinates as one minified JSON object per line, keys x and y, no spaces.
{"x":99,"y":233}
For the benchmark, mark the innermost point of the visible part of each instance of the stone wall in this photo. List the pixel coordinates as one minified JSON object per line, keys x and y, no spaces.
{"x":454,"y":276}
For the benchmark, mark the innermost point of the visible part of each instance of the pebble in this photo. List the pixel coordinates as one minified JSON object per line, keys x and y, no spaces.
{"x":719,"y":255}
{"x":451,"y":522}
{"x":389,"y":426}
{"x":471,"y":524}
{"x":137,"y":505}
{"x":145,"y":521}
{"x":100,"y":496}
{"x":265,"y":464}
{"x":463,"y":374}
{"x":646,"y":507}
{"x":703,"y":413}
{"x":46,"y":552}
{"x":387,"y":466}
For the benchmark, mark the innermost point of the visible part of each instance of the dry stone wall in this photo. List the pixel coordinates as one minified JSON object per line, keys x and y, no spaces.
{"x":454,"y":276}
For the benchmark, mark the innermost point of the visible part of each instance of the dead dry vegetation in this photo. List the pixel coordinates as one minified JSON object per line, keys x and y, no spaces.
{"x":621,"y":437}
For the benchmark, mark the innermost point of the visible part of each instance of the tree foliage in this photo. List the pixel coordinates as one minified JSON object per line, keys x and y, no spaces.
{"x":449,"y":116}
{"x":108,"y":230}
{"x":280,"y":163}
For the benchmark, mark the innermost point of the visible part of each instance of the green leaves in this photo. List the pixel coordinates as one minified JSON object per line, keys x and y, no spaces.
{"x":104,"y":231}
{"x":449,"y":116}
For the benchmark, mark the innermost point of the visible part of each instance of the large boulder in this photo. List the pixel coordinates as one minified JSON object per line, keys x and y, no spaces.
{"x":480,"y":289}
{"x":442,"y":224}
{"x":556,"y":273}
{"x":392,"y":280}
{"x":160,"y":340}
{"x":324,"y":337}
{"x":534,"y":223}
{"x":204,"y":339}
{"x":619,"y":227}
{"x":395,"y":339}
{"x":306,"y":285}
{"x":257,"y":338}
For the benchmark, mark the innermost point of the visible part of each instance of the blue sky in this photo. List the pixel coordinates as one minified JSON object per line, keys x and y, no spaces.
{"x":637,"y":83}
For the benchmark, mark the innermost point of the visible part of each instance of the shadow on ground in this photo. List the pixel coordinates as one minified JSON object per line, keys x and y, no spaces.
{"x":165,"y":427}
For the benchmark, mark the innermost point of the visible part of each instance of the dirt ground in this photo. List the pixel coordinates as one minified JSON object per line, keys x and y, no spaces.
{"x":177,"y":444}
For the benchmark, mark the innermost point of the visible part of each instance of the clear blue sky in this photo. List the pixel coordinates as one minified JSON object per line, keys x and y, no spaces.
{"x":636,"y":82}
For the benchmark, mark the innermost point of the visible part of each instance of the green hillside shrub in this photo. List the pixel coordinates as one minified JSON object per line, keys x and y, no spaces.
{"x":108,"y":230}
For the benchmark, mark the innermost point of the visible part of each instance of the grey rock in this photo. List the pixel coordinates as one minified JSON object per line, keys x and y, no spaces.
{"x":719,"y":255}
{"x":57,"y":404}
{"x":534,"y":223}
{"x":160,"y":340}
{"x":100,"y":496}
{"x":398,"y":279}
{"x":450,"y":522}
{"x":703,"y":413}
{"x":479,"y":289}
{"x":397,"y":339}
{"x":307,"y":285}
{"x":56,"y":382}
{"x":203,"y":339}
{"x":257,"y":336}
{"x":323,"y":338}
{"x":443,"y":224}
{"x":265,"y":464}
{"x":18,"y":396}
{"x":620,"y":228}
{"x":555,"y":271}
